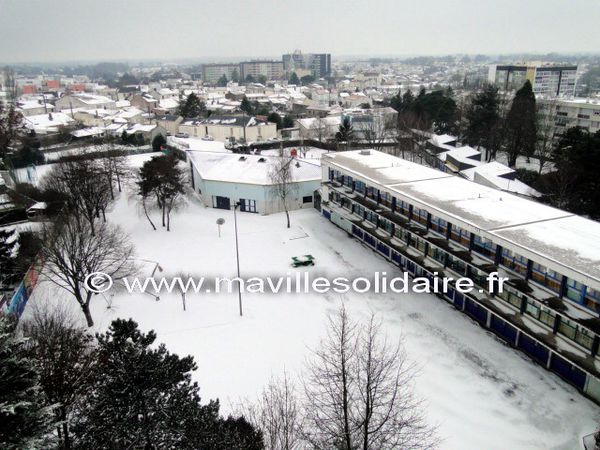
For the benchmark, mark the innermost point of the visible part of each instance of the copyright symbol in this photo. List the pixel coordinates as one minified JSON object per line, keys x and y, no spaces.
{"x":98,"y":282}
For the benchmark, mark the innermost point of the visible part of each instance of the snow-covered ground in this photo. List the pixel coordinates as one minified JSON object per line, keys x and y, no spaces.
{"x":481,"y":393}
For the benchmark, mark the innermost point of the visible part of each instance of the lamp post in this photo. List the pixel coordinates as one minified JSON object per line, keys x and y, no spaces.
{"x":237,"y":256}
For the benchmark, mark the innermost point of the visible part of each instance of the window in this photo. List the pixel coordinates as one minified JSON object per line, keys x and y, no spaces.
{"x":247,"y":205}
{"x":484,"y":246}
{"x":514,"y":261}
{"x":386,"y":199}
{"x":546,"y":277}
{"x":402,"y":207}
{"x":359,"y":210}
{"x":438,"y":224}
{"x":307,"y":199}
{"x":372,"y":193}
{"x":459,"y":235}
{"x":372,"y":217}
{"x":386,"y":225}
{"x":401,"y":233}
{"x":359,"y":186}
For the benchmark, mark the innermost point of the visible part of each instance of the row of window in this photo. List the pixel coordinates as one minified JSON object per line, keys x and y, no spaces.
{"x":483,"y":246}
{"x":567,"y":328}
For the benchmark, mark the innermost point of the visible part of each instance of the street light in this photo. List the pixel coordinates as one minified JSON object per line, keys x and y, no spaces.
{"x":237,"y":255}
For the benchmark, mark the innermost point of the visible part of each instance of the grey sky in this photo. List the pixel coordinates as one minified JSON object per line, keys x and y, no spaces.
{"x":67,"y":30}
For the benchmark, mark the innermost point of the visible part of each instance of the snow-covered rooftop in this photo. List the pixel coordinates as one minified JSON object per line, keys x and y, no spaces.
{"x":517,"y":222}
{"x":247,"y":169}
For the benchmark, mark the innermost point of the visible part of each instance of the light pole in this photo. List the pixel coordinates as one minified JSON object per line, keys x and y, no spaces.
{"x":237,"y":256}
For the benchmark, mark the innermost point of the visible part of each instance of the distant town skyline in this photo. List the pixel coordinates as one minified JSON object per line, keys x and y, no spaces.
{"x":133,"y":30}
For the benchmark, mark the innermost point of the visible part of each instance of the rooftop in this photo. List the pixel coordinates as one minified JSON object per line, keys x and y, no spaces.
{"x":247,"y":169}
{"x":568,"y":243}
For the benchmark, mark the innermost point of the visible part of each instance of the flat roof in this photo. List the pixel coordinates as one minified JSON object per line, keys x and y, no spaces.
{"x":247,"y":169}
{"x":556,"y":237}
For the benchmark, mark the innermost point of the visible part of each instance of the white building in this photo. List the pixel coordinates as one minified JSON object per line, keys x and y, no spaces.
{"x":223,"y":179}
{"x":230,"y":128}
{"x":84,"y":101}
{"x":568,"y":113}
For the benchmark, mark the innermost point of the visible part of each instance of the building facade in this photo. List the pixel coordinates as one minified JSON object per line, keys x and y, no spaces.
{"x":545,"y":80}
{"x":272,"y":70}
{"x":230,"y":129}
{"x":436,"y":225}
{"x":318,"y":64}
{"x":564,"y":113}
{"x":211,"y":73}
{"x":224,"y":179}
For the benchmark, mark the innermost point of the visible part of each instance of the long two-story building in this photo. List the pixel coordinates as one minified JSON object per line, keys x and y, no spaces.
{"x":434,"y":224}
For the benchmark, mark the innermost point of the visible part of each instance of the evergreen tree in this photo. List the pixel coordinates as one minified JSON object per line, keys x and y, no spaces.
{"x":276,"y":119}
{"x":24,"y":419}
{"x":246,"y":106}
{"x":249,"y":79}
{"x":192,"y":106}
{"x":345,"y":131}
{"x":222,"y":82}
{"x":158,"y":142}
{"x":484,"y":122}
{"x":575,"y":185}
{"x":162,"y":177}
{"x":521,"y":126}
{"x":307,"y":79}
{"x":235,"y":76}
{"x":262,"y":79}
{"x":287,"y":122}
{"x":294,"y":79}
{"x":143,"y":397}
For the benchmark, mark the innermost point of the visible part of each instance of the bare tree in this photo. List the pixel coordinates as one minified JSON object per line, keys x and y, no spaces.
{"x":63,"y":354}
{"x":114,"y":165}
{"x":389,"y":415}
{"x":84,"y":184}
{"x":318,"y":129}
{"x":359,"y":392}
{"x":377,"y":131}
{"x":278,"y":414}
{"x":282,"y":180}
{"x":330,"y":387}
{"x":73,"y":254}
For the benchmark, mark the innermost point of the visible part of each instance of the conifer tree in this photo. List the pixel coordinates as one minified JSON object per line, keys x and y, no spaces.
{"x":484,"y":121}
{"x":191,"y":107}
{"x":24,"y":419}
{"x":294,"y":79}
{"x":143,"y":397}
{"x":521,"y":127}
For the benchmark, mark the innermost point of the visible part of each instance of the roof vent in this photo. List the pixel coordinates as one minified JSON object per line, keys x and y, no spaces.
{"x":365,"y":152}
{"x":262,"y":160}
{"x":242,"y":158}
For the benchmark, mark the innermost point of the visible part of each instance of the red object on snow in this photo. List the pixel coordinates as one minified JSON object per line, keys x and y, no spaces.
{"x":294,"y":152}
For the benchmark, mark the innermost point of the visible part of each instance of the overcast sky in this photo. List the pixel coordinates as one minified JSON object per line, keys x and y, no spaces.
{"x":73,"y":30}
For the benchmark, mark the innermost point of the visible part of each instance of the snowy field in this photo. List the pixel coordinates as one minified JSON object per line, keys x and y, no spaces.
{"x":481,"y":393}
